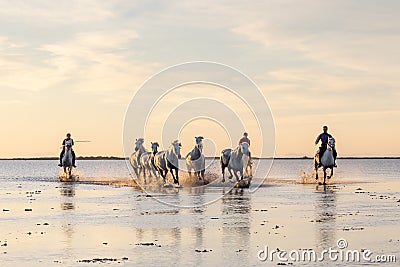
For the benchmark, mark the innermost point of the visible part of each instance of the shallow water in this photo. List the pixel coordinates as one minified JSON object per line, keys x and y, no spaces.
{"x":48,"y":223}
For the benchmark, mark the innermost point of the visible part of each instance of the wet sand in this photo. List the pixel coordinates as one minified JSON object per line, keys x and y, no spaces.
{"x":48,"y":223}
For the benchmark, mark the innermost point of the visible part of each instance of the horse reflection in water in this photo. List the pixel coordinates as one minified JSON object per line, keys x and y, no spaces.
{"x":325,"y":217}
{"x":67,"y":203}
{"x":236,"y":207}
{"x":67,"y":192}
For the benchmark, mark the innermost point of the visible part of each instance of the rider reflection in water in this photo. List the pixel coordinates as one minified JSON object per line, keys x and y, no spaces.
{"x":324,"y":137}
{"x":63,"y":150}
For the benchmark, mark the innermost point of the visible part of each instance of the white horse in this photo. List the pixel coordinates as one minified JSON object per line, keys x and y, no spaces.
{"x":237,"y":160}
{"x":169,"y":160}
{"x":195,"y":159}
{"x":135,"y":157}
{"x":67,"y":160}
{"x":147,"y":160}
{"x":327,"y":160}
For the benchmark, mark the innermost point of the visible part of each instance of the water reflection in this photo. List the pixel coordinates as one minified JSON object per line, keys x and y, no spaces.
{"x":325,"y":219}
{"x":198,"y":200}
{"x":67,"y":203}
{"x":236,"y":207}
{"x":67,"y":192}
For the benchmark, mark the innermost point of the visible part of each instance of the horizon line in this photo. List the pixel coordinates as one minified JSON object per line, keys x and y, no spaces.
{"x":125,"y":158}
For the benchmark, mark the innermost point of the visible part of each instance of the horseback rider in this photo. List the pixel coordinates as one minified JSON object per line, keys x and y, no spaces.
{"x":324,"y":137}
{"x":244,"y":139}
{"x":64,"y":143}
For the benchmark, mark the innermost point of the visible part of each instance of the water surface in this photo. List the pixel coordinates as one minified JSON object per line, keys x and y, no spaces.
{"x":47,"y":223}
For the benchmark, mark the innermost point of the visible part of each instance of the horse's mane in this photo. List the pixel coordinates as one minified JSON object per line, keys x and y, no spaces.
{"x":246,"y":143}
{"x":175,"y":142}
{"x":238,"y":147}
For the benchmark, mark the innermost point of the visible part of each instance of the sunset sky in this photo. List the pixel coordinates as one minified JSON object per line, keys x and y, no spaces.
{"x":73,"y":66}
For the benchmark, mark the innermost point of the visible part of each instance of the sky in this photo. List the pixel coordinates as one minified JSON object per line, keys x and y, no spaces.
{"x":74,"y":66}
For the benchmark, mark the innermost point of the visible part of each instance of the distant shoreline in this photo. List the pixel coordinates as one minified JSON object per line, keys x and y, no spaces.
{"x":121,"y":158}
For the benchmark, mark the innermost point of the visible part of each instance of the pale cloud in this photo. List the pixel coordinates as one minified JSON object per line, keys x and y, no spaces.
{"x":59,"y":12}
{"x":18,"y":72}
{"x":97,"y":62}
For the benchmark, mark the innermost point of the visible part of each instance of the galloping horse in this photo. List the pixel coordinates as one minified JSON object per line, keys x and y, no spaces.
{"x":327,"y":161}
{"x":235,"y":160}
{"x":195,"y":159}
{"x":169,"y":159}
{"x":147,"y":159}
{"x":67,"y":160}
{"x":135,"y":157}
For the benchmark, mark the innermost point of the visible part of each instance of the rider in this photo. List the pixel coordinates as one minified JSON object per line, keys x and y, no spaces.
{"x":324,"y":137}
{"x":63,"y":150}
{"x":244,"y":139}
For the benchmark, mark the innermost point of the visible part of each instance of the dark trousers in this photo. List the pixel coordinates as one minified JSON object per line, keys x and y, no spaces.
{"x":62,"y":155}
{"x":322,"y":150}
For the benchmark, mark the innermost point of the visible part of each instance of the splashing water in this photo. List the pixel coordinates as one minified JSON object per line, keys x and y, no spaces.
{"x":307,"y":177}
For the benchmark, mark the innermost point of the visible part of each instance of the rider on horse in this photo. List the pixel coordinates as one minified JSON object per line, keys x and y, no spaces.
{"x":244,"y":139}
{"x":324,"y":137}
{"x":65,"y":141}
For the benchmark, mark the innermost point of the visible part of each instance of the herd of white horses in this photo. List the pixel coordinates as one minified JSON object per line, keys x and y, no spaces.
{"x":160,"y":162}
{"x":156,"y":162}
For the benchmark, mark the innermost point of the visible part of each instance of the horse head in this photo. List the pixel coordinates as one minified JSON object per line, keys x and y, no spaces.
{"x":154,"y":147}
{"x":176,"y":146}
{"x":244,"y":148}
{"x":138,"y":143}
{"x":331,"y":142}
{"x":199,"y":143}
{"x":68,"y":145}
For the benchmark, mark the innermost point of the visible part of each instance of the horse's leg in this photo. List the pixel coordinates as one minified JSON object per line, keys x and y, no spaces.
{"x":173,"y":175}
{"x":154,"y":171}
{"x":237,"y":177}
{"x":316,"y":169}
{"x":324,"y":175}
{"x":230,"y":172}
{"x":223,"y":171}
{"x":143,"y":169}
{"x":163,"y":175}
{"x":176,"y":174}
{"x":149,"y":169}
{"x":189,"y":169}
{"x":331,"y":174}
{"x":136,"y":171}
